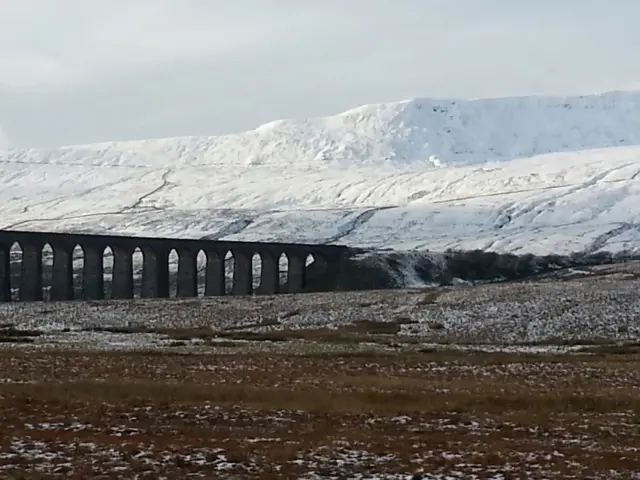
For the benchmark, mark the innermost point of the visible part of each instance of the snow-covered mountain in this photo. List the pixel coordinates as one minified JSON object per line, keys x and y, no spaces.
{"x":530,"y":174}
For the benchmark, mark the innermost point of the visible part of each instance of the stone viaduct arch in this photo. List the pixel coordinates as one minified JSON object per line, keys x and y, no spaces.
{"x":26,"y":283}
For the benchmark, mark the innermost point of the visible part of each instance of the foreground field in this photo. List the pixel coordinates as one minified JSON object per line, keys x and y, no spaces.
{"x":528,"y":380}
{"x":440,"y":414}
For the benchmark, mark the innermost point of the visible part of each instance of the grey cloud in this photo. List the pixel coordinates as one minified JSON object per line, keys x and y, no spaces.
{"x":4,"y":140}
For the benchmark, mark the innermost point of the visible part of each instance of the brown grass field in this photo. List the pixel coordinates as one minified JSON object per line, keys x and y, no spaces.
{"x":537,"y":380}
{"x":443,"y":414}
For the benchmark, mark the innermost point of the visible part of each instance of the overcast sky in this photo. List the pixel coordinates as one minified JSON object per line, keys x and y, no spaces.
{"x":76,"y":71}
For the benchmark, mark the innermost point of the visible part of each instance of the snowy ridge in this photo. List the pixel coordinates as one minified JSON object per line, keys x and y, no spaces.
{"x":533,"y":174}
{"x":409,"y":132}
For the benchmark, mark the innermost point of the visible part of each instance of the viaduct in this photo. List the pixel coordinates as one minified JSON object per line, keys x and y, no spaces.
{"x":155,"y":265}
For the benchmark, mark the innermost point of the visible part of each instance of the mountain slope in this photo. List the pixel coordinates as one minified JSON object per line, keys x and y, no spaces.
{"x":365,"y":177}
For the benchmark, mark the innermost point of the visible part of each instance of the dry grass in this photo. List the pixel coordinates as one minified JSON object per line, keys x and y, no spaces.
{"x":362,"y":331}
{"x":358,"y":394}
{"x":627,"y":349}
{"x":114,"y":415}
{"x":429,"y":296}
{"x":10,"y":334}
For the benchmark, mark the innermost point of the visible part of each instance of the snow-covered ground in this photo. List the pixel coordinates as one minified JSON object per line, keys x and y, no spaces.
{"x":603,"y":306}
{"x":533,"y":174}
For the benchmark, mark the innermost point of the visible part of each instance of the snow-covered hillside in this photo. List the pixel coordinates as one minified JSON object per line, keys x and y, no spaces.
{"x":420,"y":174}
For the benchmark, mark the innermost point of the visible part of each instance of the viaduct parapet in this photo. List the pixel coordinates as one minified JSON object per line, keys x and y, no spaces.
{"x":155,"y":281}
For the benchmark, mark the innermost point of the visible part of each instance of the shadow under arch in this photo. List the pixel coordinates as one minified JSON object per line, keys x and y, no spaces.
{"x":5,"y":272}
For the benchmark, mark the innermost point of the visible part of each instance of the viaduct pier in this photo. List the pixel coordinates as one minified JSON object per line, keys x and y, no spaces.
{"x":24,"y":273}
